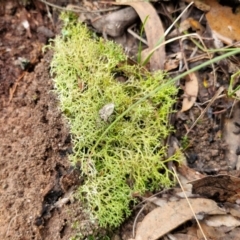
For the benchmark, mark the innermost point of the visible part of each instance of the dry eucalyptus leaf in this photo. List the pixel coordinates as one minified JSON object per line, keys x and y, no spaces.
{"x":200,"y":5}
{"x":210,"y":232}
{"x":189,"y":173}
{"x":222,"y":220}
{"x":233,"y":209}
{"x":181,"y":236}
{"x":190,"y":91}
{"x":194,"y":233}
{"x":228,"y":26}
{"x":154,"y":31}
{"x":185,"y":25}
{"x":233,"y":235}
{"x":164,"y":219}
{"x":220,"y":39}
{"x":172,"y":61}
{"x":231,"y":135}
{"x":157,"y":201}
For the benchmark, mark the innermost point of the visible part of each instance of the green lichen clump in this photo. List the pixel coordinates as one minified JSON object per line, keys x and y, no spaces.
{"x":129,"y":157}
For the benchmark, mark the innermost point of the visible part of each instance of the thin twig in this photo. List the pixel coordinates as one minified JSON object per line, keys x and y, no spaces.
{"x":190,"y":206}
{"x":154,"y":195}
{"x":145,"y":200}
{"x":14,"y":88}
{"x":136,"y":35}
{"x":78,"y":9}
{"x":135,"y":220}
{"x":204,"y":103}
{"x":50,"y":15}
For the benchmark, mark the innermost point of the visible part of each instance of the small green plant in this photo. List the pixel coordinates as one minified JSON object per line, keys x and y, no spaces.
{"x":139,"y":58}
{"x":232,"y":92}
{"x":185,"y":142}
{"x":121,"y":153}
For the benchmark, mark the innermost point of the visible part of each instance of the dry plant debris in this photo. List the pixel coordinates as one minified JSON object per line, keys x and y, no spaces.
{"x":222,"y":188}
{"x":154,"y":32}
{"x":229,"y":24}
{"x":190,"y":91}
{"x":218,"y":221}
{"x":231,"y":133}
{"x":162,"y":220}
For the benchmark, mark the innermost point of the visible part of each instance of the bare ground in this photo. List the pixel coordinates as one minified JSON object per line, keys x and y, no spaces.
{"x":34,"y":143}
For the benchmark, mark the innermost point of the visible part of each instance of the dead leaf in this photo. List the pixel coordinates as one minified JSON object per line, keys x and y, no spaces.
{"x":185,"y":175}
{"x":181,"y":236}
{"x":196,"y":25}
{"x":200,"y":5}
{"x":210,"y":232}
{"x":228,"y":26}
{"x":231,"y":135}
{"x":194,"y":233}
{"x":233,"y":209}
{"x":164,"y":219}
{"x":185,"y":190}
{"x":154,"y":31}
{"x":158,"y":201}
{"x":185,"y":25}
{"x":189,"y":173}
{"x":190,"y":91}
{"x":220,"y":39}
{"x":172,"y":61}
{"x":221,"y":188}
{"x":222,"y":220}
{"x":233,"y":235}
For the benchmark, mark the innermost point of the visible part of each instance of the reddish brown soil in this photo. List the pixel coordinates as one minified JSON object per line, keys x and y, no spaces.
{"x":34,"y":140}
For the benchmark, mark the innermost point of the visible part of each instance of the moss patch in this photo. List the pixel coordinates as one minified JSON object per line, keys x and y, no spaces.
{"x":121,"y":151}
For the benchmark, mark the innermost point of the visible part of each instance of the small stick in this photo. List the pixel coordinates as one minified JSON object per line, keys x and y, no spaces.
{"x":199,"y":225}
{"x":135,"y":220}
{"x":14,"y":88}
{"x":136,"y":35}
{"x":78,"y":9}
